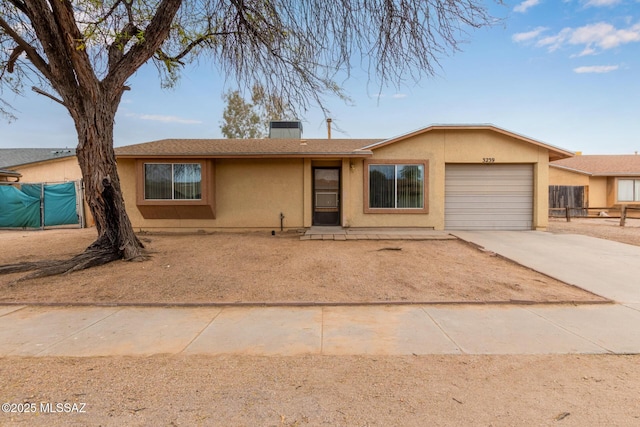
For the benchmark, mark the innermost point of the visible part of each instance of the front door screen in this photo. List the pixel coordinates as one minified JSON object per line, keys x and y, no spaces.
{"x":326,"y":200}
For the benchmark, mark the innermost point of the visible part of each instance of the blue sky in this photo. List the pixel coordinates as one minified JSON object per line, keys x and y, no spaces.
{"x":566,"y":73}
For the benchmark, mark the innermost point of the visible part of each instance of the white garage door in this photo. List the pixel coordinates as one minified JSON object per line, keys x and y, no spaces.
{"x":488,"y":197}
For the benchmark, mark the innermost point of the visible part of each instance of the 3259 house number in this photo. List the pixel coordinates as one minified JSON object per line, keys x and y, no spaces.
{"x":488,"y":160}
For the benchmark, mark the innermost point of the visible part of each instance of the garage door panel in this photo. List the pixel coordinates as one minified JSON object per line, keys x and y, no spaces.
{"x":489,"y":197}
{"x":495,"y":185}
{"x":498,"y":198}
{"x":487,"y":200}
{"x":497,"y":225}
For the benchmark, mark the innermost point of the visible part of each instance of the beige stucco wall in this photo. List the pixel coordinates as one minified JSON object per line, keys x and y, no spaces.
{"x":565,"y":177}
{"x":249,"y":194}
{"x":440,"y":147}
{"x":57,"y":170}
{"x":600,"y":189}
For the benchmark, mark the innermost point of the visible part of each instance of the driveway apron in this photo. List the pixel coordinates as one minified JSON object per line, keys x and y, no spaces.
{"x":606,"y":268}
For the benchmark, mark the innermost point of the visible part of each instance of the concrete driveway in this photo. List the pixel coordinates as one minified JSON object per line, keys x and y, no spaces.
{"x":609,"y":269}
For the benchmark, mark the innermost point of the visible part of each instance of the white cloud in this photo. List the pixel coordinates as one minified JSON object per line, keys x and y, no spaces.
{"x":594,"y":37}
{"x":526,"y":4}
{"x":554,"y":43}
{"x":165,"y":119}
{"x":529,"y":35}
{"x":586,"y":52}
{"x":596,"y":69}
{"x":600,"y":3}
{"x":399,"y":95}
{"x":604,"y":35}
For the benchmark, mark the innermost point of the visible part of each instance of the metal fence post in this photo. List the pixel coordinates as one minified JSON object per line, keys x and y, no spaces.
{"x":42,"y":205}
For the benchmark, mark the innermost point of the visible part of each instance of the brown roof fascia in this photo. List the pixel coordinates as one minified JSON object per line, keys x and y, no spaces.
{"x":571,"y":169}
{"x":555,"y":153}
{"x":10,"y":173}
{"x":359,"y":154}
{"x":615,"y":174}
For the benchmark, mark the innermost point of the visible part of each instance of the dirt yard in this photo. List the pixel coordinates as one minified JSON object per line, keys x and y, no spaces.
{"x":603,"y":228}
{"x":259,"y":268}
{"x":545,"y":390}
{"x":553,"y":390}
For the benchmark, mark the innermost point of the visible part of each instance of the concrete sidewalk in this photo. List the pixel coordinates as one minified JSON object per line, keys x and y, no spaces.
{"x":604,"y":267}
{"x":329,"y":330}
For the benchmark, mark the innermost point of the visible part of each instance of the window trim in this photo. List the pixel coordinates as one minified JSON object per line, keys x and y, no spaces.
{"x":636,"y":182}
{"x":173,"y":182}
{"x":410,"y":162}
{"x":203,"y":208}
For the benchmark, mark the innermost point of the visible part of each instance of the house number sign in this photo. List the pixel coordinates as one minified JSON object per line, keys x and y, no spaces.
{"x":488,"y":160}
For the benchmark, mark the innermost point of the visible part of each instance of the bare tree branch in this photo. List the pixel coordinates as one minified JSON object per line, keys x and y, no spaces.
{"x":155,"y":34}
{"x":74,"y":44}
{"x":31,"y":52}
{"x":207,"y":38}
{"x":42,"y":92}
{"x":116,"y":49}
{"x":19,"y":5}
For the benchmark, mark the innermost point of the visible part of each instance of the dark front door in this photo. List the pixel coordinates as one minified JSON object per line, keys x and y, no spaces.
{"x":326,"y":196}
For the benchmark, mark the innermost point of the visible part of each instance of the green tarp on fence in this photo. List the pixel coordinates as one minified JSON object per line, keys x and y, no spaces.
{"x":21,"y":207}
{"x":18,"y":209}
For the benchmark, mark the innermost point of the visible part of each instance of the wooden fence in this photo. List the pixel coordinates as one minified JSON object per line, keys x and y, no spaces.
{"x":623,"y":212}
{"x":561,"y":196}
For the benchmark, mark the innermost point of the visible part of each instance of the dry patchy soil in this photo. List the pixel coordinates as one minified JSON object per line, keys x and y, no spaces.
{"x":549,"y":390}
{"x":236,"y":390}
{"x":258,"y":267}
{"x":602,"y":228}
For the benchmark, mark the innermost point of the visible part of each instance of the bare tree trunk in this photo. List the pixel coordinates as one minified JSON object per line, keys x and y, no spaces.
{"x":102,"y":183}
{"x":116,"y":239}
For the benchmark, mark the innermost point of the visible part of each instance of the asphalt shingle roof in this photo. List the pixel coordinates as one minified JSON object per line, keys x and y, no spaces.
{"x":274,"y":147}
{"x":603,"y":165}
{"x":246,"y":147}
{"x":11,"y":157}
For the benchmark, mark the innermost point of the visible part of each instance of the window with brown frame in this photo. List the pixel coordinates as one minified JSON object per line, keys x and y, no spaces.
{"x":629,"y":190}
{"x":172,"y":181}
{"x":396,"y":186}
{"x":175,"y":189}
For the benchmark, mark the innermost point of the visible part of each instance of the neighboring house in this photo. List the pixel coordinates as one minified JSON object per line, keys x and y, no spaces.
{"x":42,"y":164}
{"x":439,"y":177}
{"x":609,"y":181}
{"x":45,"y":165}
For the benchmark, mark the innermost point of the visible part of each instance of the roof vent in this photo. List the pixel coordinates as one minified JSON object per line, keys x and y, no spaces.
{"x":61,"y":152}
{"x":285,"y":130}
